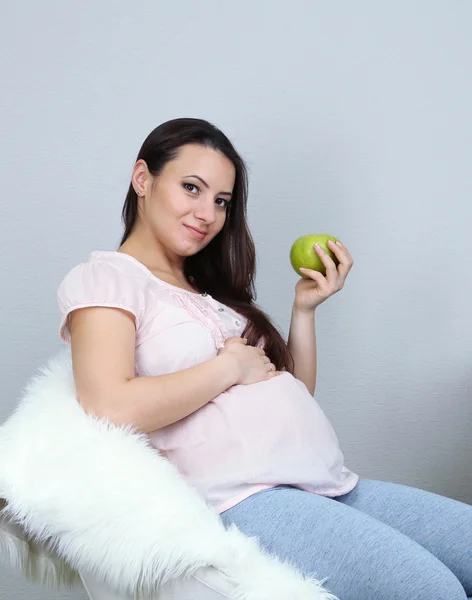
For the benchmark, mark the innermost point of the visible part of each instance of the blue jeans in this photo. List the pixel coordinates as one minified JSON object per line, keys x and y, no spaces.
{"x":381,"y":541}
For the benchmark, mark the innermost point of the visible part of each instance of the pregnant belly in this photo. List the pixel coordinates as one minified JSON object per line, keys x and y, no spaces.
{"x":276,"y":415}
{"x":273,"y":420}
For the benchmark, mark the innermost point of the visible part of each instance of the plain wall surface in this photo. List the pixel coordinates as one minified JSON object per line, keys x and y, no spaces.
{"x":355,"y":120}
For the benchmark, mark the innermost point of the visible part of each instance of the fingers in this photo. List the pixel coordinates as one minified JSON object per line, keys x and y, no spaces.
{"x":316,"y":276}
{"x":331,"y":270}
{"x":341,"y":251}
{"x":335,"y":275}
{"x":342,"y":254}
{"x":345,"y":262}
{"x":271,"y":368}
{"x":236,"y":339}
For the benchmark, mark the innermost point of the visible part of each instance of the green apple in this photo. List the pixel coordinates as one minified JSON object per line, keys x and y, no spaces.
{"x":303,"y":254}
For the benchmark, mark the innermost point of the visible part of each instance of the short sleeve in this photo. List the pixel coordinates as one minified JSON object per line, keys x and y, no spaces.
{"x":97,"y":283}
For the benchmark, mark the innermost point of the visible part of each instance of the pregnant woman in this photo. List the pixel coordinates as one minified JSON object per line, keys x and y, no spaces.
{"x":166,"y":336}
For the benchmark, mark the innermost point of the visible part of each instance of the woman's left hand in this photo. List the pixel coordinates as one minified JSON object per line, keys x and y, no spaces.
{"x":310,"y":293}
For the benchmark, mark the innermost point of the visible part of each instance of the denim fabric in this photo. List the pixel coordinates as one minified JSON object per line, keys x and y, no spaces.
{"x":381,"y":541}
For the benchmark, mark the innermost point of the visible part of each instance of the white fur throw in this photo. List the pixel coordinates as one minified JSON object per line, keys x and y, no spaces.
{"x":110,"y":505}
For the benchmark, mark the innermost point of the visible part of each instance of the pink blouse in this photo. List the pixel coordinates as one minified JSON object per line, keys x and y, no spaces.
{"x":248,"y":438}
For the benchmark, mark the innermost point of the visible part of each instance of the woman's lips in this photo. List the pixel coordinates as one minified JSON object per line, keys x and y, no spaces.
{"x":195,"y":233}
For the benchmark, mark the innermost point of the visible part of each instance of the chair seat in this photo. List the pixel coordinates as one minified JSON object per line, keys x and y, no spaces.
{"x":207,"y":583}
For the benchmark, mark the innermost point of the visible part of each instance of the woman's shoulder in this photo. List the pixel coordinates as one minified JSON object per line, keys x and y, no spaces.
{"x":113,"y":261}
{"x":108,"y":277}
{"x":111,"y":279}
{"x":104,"y":268}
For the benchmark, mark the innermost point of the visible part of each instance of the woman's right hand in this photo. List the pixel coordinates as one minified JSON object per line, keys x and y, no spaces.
{"x":251,"y":363}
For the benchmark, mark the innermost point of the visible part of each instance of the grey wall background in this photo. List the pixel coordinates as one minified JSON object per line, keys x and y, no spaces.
{"x":355,"y":119}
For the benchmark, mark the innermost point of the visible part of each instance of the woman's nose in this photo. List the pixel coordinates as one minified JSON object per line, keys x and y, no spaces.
{"x":206,"y":212}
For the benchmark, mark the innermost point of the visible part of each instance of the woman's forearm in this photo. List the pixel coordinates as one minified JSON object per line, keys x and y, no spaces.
{"x":302,"y":345}
{"x":152,"y":402}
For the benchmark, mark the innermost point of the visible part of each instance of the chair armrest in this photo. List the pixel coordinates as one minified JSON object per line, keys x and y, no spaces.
{"x":207,"y":583}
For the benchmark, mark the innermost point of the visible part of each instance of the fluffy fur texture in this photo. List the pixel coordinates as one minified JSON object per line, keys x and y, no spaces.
{"x":105,"y":502}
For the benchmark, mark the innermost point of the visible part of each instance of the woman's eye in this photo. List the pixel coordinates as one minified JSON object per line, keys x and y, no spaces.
{"x":193,"y":189}
{"x":226,"y":202}
{"x":190,"y":185}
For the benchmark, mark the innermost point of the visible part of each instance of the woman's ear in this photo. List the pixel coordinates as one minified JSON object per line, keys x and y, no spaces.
{"x":140,"y":177}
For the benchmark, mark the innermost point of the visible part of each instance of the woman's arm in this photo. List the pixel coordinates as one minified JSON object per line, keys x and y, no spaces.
{"x":302,"y":345}
{"x":103,"y":356}
{"x":310,"y":292}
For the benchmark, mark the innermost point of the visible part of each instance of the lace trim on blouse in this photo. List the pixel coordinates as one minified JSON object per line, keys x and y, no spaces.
{"x":202,"y":312}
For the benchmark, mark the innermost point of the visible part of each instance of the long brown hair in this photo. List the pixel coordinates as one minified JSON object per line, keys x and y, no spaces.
{"x":226,"y":267}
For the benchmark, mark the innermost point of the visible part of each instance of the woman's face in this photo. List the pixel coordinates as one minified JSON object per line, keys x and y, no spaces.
{"x":193,"y":191}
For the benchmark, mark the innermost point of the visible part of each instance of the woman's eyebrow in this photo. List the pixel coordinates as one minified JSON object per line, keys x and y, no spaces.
{"x":207,"y":186}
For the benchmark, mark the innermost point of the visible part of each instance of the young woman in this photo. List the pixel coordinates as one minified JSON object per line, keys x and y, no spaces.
{"x":166,"y":336}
